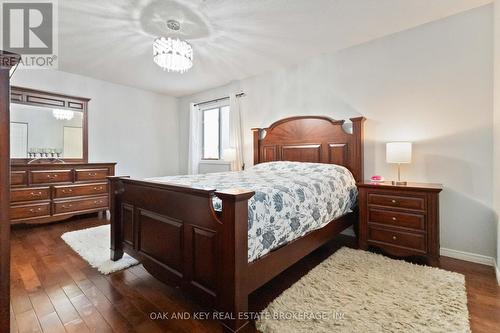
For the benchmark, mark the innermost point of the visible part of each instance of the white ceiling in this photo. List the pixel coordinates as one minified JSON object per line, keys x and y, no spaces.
{"x":232,"y":39}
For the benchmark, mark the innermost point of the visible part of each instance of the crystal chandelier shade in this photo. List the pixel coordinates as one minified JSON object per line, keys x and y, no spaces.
{"x":173,"y":55}
{"x":61,"y":114}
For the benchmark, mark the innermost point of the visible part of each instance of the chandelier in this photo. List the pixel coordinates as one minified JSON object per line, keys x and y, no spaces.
{"x":173,"y":54}
{"x":61,"y":114}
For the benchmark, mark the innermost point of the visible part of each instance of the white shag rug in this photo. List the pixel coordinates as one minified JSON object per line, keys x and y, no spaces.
{"x":359,"y":291}
{"x":93,"y":245}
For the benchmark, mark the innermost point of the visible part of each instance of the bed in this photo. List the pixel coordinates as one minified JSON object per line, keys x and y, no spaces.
{"x":219,"y":242}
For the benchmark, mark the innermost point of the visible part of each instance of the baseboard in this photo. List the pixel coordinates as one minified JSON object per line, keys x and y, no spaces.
{"x":467,"y":256}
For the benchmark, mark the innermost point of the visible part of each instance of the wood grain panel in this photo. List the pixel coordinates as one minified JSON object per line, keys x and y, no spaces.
{"x":91,"y":174}
{"x":51,"y":176}
{"x":394,"y":218}
{"x":160,"y":238}
{"x":128,"y":224}
{"x":30,"y":194}
{"x":204,"y":258}
{"x":40,"y":100}
{"x":75,"y":105}
{"x":66,"y":191}
{"x":408,"y":202}
{"x":68,"y":206}
{"x":269,"y":153}
{"x":18,"y":178}
{"x":301,"y":153}
{"x":387,"y":236}
{"x":29,"y":211}
{"x":337,"y":153}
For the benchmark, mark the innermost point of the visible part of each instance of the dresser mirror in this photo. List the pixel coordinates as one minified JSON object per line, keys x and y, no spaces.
{"x":47,"y":127}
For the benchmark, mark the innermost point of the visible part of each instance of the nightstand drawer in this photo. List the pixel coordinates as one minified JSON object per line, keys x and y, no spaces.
{"x":409,"y":202}
{"x":397,"y":238}
{"x":397,"y":219}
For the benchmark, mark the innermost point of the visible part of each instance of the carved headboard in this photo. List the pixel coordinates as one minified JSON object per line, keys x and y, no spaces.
{"x":311,"y":139}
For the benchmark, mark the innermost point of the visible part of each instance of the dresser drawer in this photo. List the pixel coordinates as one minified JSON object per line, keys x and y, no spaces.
{"x":52,"y":176}
{"x":398,"y":238}
{"x":18,"y":178}
{"x":29,"y":211}
{"x":30,"y":194}
{"x":409,"y":202}
{"x":397,"y":219}
{"x":80,"y":190}
{"x":91,"y":174}
{"x":80,"y":205}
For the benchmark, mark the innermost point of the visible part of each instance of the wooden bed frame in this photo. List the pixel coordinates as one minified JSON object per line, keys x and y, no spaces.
{"x":179,"y":238}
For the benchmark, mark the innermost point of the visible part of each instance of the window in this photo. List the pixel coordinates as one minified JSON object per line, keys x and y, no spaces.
{"x":215,"y":131}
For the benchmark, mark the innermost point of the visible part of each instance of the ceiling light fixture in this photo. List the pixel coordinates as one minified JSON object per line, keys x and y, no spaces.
{"x":61,"y":114}
{"x":173,"y":54}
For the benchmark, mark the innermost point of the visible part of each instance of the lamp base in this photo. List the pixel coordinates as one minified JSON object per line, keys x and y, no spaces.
{"x":399,"y":183}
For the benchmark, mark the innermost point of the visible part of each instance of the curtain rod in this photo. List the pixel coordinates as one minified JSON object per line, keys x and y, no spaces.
{"x":219,"y":99}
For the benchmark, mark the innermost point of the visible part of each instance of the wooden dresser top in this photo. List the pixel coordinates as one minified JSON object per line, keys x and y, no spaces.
{"x":410,"y":186}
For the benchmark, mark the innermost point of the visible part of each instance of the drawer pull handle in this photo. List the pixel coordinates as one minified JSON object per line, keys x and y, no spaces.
{"x":98,"y":188}
{"x":67,"y":190}
{"x":37,"y":194}
{"x":51,"y":176}
{"x":92,"y":174}
{"x":393,"y":201}
{"x":98,"y":202}
{"x":33,"y":210}
{"x":394,"y":238}
{"x":394,"y":218}
{"x":67,"y":206}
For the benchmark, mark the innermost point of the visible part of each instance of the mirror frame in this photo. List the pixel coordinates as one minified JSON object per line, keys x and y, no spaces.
{"x":28,"y":96}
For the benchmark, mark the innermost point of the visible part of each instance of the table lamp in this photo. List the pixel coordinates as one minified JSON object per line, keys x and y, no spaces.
{"x":229,"y":154}
{"x":398,"y":152}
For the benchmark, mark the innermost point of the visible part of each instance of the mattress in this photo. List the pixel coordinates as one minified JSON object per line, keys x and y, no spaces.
{"x":291,"y":199}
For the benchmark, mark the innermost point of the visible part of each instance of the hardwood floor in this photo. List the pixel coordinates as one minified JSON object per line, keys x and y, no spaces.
{"x":54,"y":290}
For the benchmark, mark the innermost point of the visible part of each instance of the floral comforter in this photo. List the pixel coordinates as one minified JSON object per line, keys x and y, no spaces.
{"x":291,"y":199}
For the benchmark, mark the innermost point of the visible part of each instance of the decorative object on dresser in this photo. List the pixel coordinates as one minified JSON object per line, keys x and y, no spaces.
{"x":401,"y":220}
{"x":399,"y":153}
{"x":49,"y":192}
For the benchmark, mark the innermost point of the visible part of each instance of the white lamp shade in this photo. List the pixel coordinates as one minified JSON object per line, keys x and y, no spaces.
{"x":398,"y":152}
{"x":229,"y":154}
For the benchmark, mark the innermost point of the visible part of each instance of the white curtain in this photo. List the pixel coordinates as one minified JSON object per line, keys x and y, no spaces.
{"x":235,"y":134}
{"x":194,"y":139}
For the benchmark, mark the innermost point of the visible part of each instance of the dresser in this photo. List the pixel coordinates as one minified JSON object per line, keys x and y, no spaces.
{"x":48,"y":192}
{"x":400,"y":220}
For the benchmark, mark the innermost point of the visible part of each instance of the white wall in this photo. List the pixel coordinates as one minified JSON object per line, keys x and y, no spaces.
{"x":431,"y":85}
{"x":135,"y":128}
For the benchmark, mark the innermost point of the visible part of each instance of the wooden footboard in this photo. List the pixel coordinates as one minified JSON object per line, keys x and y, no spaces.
{"x":180,"y":239}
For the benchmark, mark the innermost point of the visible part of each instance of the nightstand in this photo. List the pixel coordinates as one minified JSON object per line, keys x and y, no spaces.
{"x":400,"y":220}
